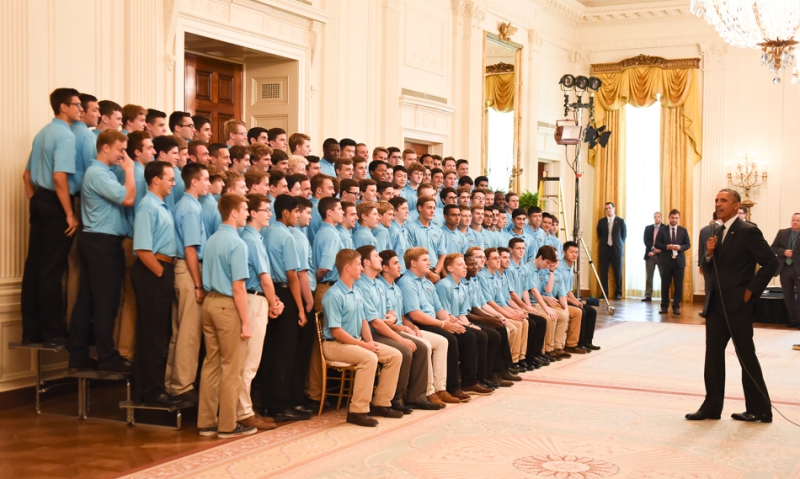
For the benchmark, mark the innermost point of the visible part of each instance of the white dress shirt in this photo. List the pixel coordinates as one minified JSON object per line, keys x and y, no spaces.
{"x":610,"y":228}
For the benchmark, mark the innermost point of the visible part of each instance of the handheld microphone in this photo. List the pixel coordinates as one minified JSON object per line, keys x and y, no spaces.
{"x":713,"y":225}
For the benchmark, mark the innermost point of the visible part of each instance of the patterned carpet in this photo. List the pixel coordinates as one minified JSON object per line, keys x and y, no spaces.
{"x":616,"y":413}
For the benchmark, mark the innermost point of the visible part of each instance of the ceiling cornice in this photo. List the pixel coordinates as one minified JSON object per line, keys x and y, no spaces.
{"x":581,"y":15}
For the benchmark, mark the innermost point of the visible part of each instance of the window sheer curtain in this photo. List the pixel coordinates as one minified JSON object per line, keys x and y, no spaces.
{"x":500,"y":147}
{"x":643,"y":191}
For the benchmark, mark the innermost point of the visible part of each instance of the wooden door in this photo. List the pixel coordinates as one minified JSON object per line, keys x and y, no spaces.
{"x":418,"y":147}
{"x":213,"y":88}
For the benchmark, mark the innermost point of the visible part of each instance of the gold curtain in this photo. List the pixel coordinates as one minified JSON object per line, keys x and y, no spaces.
{"x":680,"y":143}
{"x":500,"y":92}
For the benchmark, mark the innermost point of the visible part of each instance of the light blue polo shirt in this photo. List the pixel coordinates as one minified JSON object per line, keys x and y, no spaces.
{"x":419,"y":294}
{"x":490,"y":284}
{"x":454,"y":297}
{"x":211,"y":215}
{"x":344,"y":308}
{"x":481,"y":239}
{"x":363,"y":236}
{"x":141,"y":190}
{"x":552,"y":240}
{"x":538,"y":240}
{"x":177,"y":191}
{"x":476,"y":298}
{"x":271,"y":209}
{"x":410,"y":194}
{"x":567,"y":276}
{"x":225,"y":261}
{"x":53,"y":151}
{"x":438,"y":218}
{"x":375,"y":305}
{"x":346,"y":236}
{"x":154,"y":228}
{"x":257,"y":261}
{"x":316,"y":220}
{"x":327,"y":244}
{"x":101,"y":201}
{"x":282,"y":251}
{"x":304,"y":254}
{"x":326,"y":168}
{"x":470,"y":238}
{"x":399,"y":242}
{"x":558,"y":283}
{"x":536,"y":283}
{"x":393,"y":295}
{"x":429,"y":237}
{"x":454,"y":241}
{"x":190,"y":230}
{"x":381,"y":234}
{"x":530,"y":242}
{"x":507,"y":281}
{"x":522,"y":276}
{"x":85,"y":152}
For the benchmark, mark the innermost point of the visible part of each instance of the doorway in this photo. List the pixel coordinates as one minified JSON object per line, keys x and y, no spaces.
{"x":420,"y":148}
{"x":213,"y":88}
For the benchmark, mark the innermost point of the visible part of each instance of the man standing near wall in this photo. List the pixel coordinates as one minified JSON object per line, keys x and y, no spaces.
{"x":651,"y":254}
{"x":611,"y":232}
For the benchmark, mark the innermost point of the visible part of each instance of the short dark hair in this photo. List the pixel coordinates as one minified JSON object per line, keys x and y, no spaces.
{"x":278,"y":156}
{"x":176,"y":118}
{"x":192,"y":171}
{"x":518,"y":212}
{"x":513,"y":242}
{"x":365,"y":251}
{"x":199,"y":121}
{"x":164,"y":144}
{"x":393,"y":149}
{"x":152,"y":114}
{"x":547,"y":252}
{"x":273,"y":133}
{"x":275,"y":177}
{"x":609,"y":203}
{"x":327,"y":204}
{"x":215,"y":147}
{"x":461,"y":162}
{"x":85,"y":99}
{"x":108,"y":107}
{"x":480,"y":179}
{"x":328,"y":142}
{"x":465,"y":180}
{"x":570,"y":244}
{"x":292,"y":180}
{"x":374,"y":164}
{"x":135,"y":141}
{"x":449,"y":208}
{"x":383,"y":186}
{"x":62,"y":96}
{"x":285,"y":203}
{"x":736,"y":196}
{"x":534,"y":209}
{"x":155,"y":169}
{"x":255,"y":132}
{"x":397,"y":201}
{"x":344,"y":142}
{"x":387,"y":255}
{"x":673,"y":211}
{"x":312,"y":159}
{"x":397,"y":168}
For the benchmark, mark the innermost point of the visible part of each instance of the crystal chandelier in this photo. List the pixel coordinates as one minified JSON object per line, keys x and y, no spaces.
{"x":770,"y":25}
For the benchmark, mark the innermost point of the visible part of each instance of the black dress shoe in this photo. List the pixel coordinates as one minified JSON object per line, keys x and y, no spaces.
{"x":750,"y":417}
{"x":701,"y":415}
{"x":361,"y":419}
{"x":398,"y":405}
{"x":425,"y":405}
{"x":188,"y":396}
{"x":163,"y":400}
{"x":382,"y":411}
{"x":591,"y":347}
{"x":663,"y":311}
{"x":305,"y":409}
{"x":291,"y":415}
{"x":121,"y":366}
{"x":646,"y":299}
{"x":53,"y":343}
{"x":676,"y":312}
{"x":87,"y":364}
{"x":618,"y":296}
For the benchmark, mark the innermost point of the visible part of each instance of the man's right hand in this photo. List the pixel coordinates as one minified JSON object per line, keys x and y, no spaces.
{"x":549,"y":312}
{"x":711,"y":244}
{"x":127,"y":164}
{"x":411,"y":345}
{"x":651,"y":254}
{"x":454,"y":328}
{"x":72,"y":225}
{"x":788,"y":253}
{"x":302,"y":321}
{"x":370,"y":346}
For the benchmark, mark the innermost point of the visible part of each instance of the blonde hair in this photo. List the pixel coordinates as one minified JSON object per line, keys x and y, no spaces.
{"x":230,"y":127}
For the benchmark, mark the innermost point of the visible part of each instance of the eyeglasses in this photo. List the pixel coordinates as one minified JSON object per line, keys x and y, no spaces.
{"x":190,"y":125}
{"x":354,"y":193}
{"x":78,"y":104}
{"x":450,"y":197}
{"x":262,"y":211}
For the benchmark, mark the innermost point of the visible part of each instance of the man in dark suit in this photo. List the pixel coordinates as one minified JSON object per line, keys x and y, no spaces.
{"x":651,"y":254}
{"x":672,"y":241}
{"x":733,"y":288}
{"x":785,"y":245}
{"x":611,"y":232}
{"x":705,"y":233}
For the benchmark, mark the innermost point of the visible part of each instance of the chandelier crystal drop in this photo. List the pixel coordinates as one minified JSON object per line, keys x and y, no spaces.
{"x":768,"y":25}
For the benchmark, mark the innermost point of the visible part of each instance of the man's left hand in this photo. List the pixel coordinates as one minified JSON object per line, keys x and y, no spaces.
{"x":747,"y":295}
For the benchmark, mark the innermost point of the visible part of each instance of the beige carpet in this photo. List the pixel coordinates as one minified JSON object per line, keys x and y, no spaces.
{"x":593,"y":417}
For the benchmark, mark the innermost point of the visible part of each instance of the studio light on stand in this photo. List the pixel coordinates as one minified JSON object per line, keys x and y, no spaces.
{"x":570,"y":132}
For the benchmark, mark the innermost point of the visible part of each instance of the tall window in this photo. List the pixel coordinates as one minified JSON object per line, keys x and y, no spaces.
{"x":500,"y":145}
{"x":642,"y":191}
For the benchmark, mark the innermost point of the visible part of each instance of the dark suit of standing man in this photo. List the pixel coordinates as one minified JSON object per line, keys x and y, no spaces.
{"x":672,"y":240}
{"x":611,"y":232}
{"x":651,"y":255}
{"x":786,"y":245}
{"x":733,"y":287}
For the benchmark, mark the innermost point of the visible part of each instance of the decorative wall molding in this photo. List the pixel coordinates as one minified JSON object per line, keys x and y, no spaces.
{"x":580,"y":14}
{"x":535,"y":41}
{"x":646,"y":61}
{"x":424,"y":43}
{"x":665,"y":41}
{"x":713,"y":54}
{"x":504,"y":11}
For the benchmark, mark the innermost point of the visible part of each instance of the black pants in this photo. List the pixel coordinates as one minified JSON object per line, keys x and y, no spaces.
{"x":154,"y":297}
{"x":305,"y":342}
{"x":463,"y":347}
{"x":278,"y":360}
{"x":717,"y":336}
{"x":789,"y":283}
{"x":42,"y":301}
{"x":609,"y":258}
{"x":537,"y":327}
{"x":671,"y":274}
{"x":494,"y":350}
{"x":102,"y":268}
{"x":482,"y":343}
{"x":587,"y":325}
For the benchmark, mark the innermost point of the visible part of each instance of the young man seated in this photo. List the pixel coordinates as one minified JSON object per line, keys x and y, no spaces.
{"x":413,"y":378}
{"x":347,"y":338}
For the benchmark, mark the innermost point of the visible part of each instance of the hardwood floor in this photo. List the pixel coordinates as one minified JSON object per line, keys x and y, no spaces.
{"x":52,"y":446}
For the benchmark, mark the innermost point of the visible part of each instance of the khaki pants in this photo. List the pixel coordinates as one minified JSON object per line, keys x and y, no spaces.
{"x":184,"y":346}
{"x":556,"y":331}
{"x":574,"y":328}
{"x":314,"y":387}
{"x":221,"y":379}
{"x":366,"y":363}
{"x":437,"y":366}
{"x":257,"y":311}
{"x":125,"y":329}
{"x":519,"y":343}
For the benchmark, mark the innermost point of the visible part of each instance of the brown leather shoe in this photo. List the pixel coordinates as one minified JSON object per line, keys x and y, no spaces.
{"x":361,"y":419}
{"x":449,"y":398}
{"x":459,"y":394}
{"x":506,"y":375}
{"x":553,"y":355}
{"x":476,"y":389}
{"x":563,"y":354}
{"x":382,"y":411}
{"x":575,"y":350}
{"x":258,"y":423}
{"x":435,"y":399}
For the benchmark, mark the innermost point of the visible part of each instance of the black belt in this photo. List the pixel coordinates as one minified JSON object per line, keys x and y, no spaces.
{"x":256,"y":293}
{"x":281,"y":285}
{"x":329,"y":283}
{"x":326,"y":339}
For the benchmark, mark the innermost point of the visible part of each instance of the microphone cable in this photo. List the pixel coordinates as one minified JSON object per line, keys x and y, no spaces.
{"x":736,"y":347}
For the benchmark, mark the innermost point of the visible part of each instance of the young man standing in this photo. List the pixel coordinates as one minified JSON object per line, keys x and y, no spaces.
{"x":422,"y":232}
{"x":187,"y":329}
{"x":415,"y":171}
{"x":262,"y":304}
{"x":276,"y":138}
{"x":219,"y":155}
{"x":226,"y":323}
{"x":367,"y":220}
{"x":202,"y":129}
{"x":381,"y":230}
{"x":321,"y":187}
{"x":398,"y":232}
{"x":110,"y":116}
{"x":235,"y":133}
{"x":521,"y":281}
{"x":300,"y":144}
{"x":348,"y":339}
{"x":454,"y":240}
{"x":280,"y":364}
{"x":133,"y":118}
{"x":153,"y":278}
{"x":413,"y":377}
{"x":102,"y":257}
{"x":330,"y":153}
{"x":348,"y":224}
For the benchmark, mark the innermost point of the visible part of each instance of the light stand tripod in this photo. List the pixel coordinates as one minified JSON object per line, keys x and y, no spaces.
{"x":580,"y":85}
